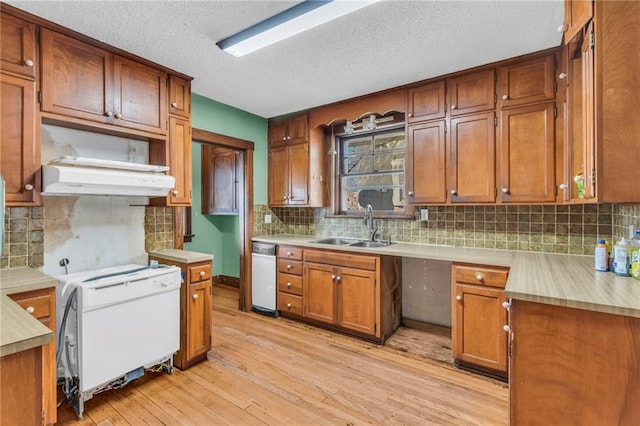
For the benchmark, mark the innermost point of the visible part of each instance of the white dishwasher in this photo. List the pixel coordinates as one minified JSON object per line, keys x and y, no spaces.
{"x":114,"y":324}
{"x":263,"y":278}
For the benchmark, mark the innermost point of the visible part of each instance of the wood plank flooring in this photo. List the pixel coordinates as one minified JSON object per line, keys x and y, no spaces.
{"x":279,"y":372}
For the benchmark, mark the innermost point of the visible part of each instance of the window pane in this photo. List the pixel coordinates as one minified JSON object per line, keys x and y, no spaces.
{"x":359,"y":164}
{"x":355,"y":146}
{"x":390,"y":141}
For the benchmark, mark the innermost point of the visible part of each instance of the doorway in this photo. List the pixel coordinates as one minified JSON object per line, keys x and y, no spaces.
{"x":241,"y":152}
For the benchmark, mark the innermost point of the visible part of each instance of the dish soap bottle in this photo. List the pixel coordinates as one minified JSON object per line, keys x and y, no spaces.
{"x":602,"y":256}
{"x":621,"y":258}
{"x":635,"y":256}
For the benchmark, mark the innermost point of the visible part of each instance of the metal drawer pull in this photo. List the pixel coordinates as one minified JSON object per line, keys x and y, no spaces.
{"x":458,"y":298}
{"x":479,"y":276}
{"x":506,"y":328}
{"x":289,"y":305}
{"x":195,"y":296}
{"x":30,"y":309}
{"x":288,"y":285}
{"x":202,"y":273}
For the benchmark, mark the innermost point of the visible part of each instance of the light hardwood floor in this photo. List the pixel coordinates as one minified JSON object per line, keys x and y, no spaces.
{"x":279,"y":372}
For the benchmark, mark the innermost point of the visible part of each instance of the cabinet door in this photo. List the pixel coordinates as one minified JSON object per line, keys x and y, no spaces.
{"x":426,"y":102}
{"x":576,"y":14}
{"x":425,"y":165}
{"x":319,"y":292}
{"x":179,"y":154}
{"x":199,"y":319}
{"x":298,"y":129}
{"x":298,"y":174}
{"x":278,"y":175}
{"x":588,"y":115}
{"x":357,"y":295}
{"x":472,"y":159}
{"x":20,"y":160}
{"x":479,"y":320}
{"x":17,"y":46}
{"x":140,"y":96}
{"x":225,"y":182}
{"x":527,"y":82}
{"x":277,"y":132}
{"x":76,"y":78}
{"x":472,"y":93}
{"x":527,"y":160}
{"x":179,"y":96}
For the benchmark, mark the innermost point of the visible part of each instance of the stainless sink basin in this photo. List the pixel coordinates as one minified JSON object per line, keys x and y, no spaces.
{"x":336,"y":241}
{"x":370,"y":244}
{"x":351,"y":242}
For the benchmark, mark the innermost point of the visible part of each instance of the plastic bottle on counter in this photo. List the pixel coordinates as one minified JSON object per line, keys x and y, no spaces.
{"x":621,"y":258}
{"x":602,"y":256}
{"x":635,"y":256}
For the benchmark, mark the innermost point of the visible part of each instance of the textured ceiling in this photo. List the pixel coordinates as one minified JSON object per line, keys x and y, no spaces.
{"x":387,"y":44}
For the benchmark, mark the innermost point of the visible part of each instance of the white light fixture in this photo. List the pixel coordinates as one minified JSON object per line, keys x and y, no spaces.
{"x":349,"y":128}
{"x":299,"y":18}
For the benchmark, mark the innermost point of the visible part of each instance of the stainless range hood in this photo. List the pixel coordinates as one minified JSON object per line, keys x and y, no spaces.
{"x":83,"y":176}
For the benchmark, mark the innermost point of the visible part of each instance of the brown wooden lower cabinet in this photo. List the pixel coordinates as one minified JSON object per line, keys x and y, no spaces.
{"x":573,"y":367}
{"x":479,"y":339}
{"x":42,"y":305}
{"x":195,"y":311}
{"x":352,"y":293}
{"x":21,"y":388}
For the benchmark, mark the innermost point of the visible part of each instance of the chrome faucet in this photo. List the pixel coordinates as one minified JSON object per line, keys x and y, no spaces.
{"x":368,"y":220}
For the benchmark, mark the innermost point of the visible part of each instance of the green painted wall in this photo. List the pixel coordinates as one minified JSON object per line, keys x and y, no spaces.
{"x":220,"y":235}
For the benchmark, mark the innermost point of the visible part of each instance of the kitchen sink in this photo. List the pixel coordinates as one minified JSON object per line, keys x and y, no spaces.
{"x":370,"y":244}
{"x":351,"y":242}
{"x":336,"y":241}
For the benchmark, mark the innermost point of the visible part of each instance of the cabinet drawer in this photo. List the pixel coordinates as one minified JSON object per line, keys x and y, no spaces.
{"x":289,"y":303}
{"x":341,"y":259}
{"x":481,"y":275}
{"x":290,"y":283}
{"x":290,"y":266}
{"x":37,"y":303}
{"x":199,"y":273}
{"x":288,"y":252}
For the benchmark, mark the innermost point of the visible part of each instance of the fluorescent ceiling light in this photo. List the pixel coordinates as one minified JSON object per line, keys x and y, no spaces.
{"x":299,"y":18}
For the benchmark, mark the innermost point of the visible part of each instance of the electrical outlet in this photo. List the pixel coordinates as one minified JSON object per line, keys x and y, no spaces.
{"x":267,"y":218}
{"x":424,"y":214}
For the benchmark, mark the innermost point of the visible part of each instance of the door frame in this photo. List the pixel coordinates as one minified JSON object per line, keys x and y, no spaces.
{"x":245,"y":206}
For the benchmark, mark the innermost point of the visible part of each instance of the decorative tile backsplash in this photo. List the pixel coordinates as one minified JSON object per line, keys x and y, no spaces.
{"x":552,"y":229}
{"x":158,"y":228}
{"x":23,"y":237}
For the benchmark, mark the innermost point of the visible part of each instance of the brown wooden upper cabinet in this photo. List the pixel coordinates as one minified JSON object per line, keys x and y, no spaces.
{"x":576,"y":15}
{"x":179,"y":161}
{"x":289,"y":130}
{"x":220,"y":179}
{"x":471,"y":155}
{"x":289,"y":175}
{"x":527,"y":82}
{"x":425,"y":163}
{"x":179,"y":96}
{"x":18,"y":46}
{"x":85,"y":82}
{"x":426,"y":102}
{"x":472,"y":92}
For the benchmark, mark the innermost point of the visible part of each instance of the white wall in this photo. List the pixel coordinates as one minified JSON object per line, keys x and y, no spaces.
{"x":92,"y":231}
{"x":426,"y":291}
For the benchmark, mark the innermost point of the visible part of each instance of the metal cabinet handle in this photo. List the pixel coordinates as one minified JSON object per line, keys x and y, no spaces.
{"x":289,"y":253}
{"x":174,"y":192}
{"x":28,"y":63}
{"x":109,"y":114}
{"x":195,"y":296}
{"x":506,"y":328}
{"x":333,"y":276}
{"x":289,"y":305}
{"x":288,"y":285}
{"x":410,"y":193}
{"x":338,"y":278}
{"x":563,"y":186}
{"x":30,"y":309}
{"x":454,"y":192}
{"x":458,"y":298}
{"x":202,"y":273}
{"x":410,"y":114}
{"x":562,"y":75}
{"x":28,"y":187}
{"x":479,"y":276}
{"x":118,"y":115}
{"x":506,"y":305}
{"x":562,"y":28}
{"x":505,"y":190}
{"x":454,"y":107}
{"x":174,"y":104}
{"x":289,"y":266}
{"x":505,"y":97}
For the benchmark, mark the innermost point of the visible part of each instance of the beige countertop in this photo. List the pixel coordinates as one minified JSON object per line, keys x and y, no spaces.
{"x":19,"y":330}
{"x":183,"y":256}
{"x":555,"y":279}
